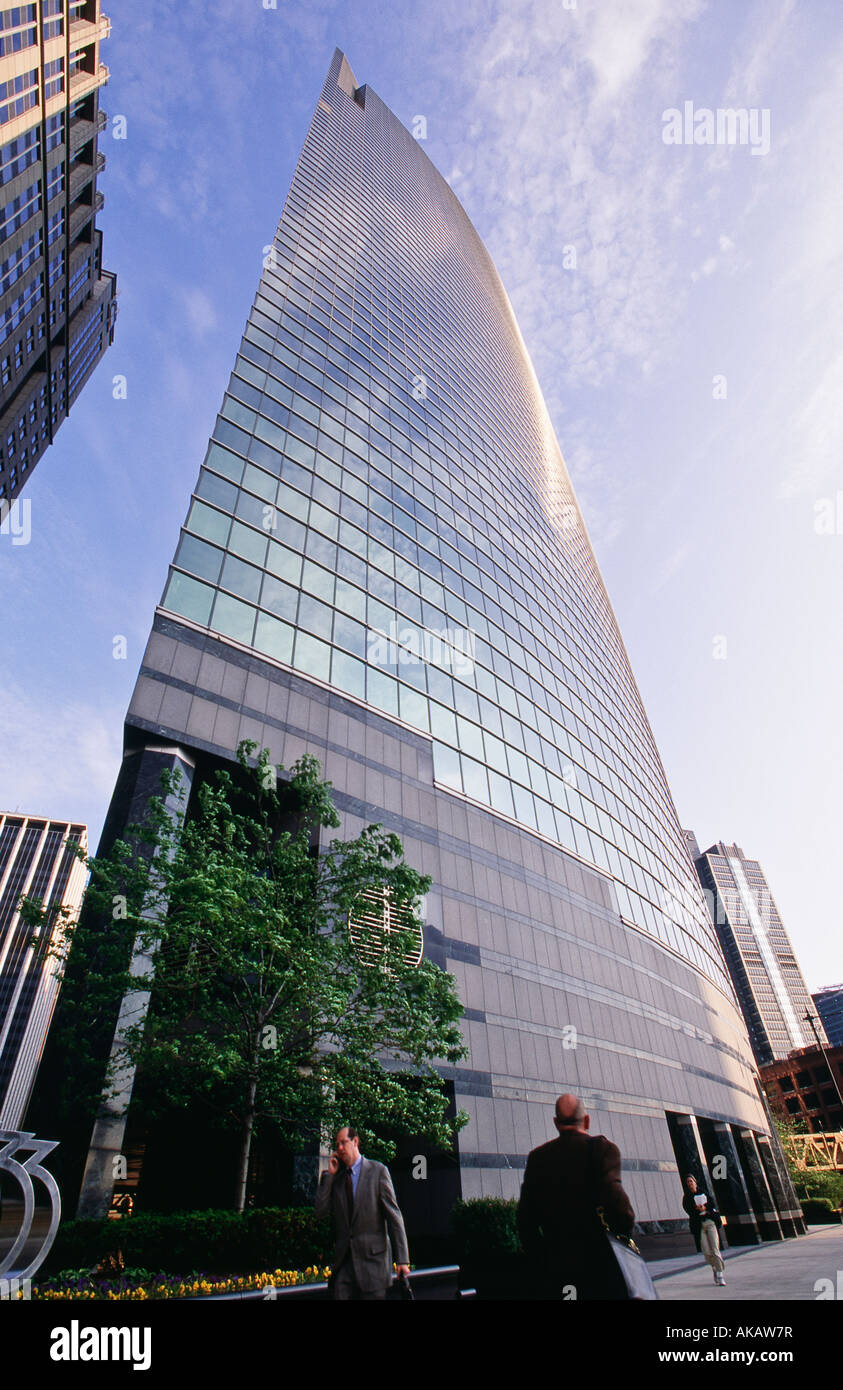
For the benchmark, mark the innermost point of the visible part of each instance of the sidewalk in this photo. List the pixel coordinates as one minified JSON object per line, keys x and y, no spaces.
{"x":784,"y":1270}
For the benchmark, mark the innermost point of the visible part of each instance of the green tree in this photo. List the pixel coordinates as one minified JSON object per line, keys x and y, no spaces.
{"x":263,"y":1005}
{"x":807,"y":1182}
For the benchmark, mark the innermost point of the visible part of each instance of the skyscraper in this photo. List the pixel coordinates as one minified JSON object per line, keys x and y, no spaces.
{"x":57,"y":304}
{"x":829,"y":1002}
{"x":764,"y":970}
{"x":36,"y":860}
{"x":383,"y":563}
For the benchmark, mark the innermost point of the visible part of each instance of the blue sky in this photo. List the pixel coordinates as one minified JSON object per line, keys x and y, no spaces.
{"x":691,"y":358}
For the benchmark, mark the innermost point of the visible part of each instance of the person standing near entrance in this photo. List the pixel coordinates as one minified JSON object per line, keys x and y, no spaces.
{"x":359,"y":1195}
{"x":705,"y":1222}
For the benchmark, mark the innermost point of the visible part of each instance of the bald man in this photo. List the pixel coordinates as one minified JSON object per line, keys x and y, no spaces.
{"x":563,"y":1237}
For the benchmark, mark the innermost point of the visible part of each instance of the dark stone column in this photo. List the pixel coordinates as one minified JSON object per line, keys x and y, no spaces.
{"x":778,"y":1173}
{"x":729,"y":1184}
{"x":787,"y":1203}
{"x":139,"y":779}
{"x":683,"y":1136}
{"x":759,"y":1188}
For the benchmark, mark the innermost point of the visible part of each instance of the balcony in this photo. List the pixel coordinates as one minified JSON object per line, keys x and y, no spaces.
{"x":81,"y":175}
{"x":83,"y":32}
{"x":82,"y":83}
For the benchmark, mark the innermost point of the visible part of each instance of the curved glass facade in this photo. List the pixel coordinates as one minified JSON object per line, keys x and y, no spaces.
{"x":384,"y":508}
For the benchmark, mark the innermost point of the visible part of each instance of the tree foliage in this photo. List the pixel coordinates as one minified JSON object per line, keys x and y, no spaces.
{"x":234,"y":927}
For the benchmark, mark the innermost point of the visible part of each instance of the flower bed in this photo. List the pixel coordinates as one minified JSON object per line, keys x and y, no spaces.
{"x":142,"y":1285}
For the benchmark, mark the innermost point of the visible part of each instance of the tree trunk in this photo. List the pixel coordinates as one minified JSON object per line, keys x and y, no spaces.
{"x":245,"y":1147}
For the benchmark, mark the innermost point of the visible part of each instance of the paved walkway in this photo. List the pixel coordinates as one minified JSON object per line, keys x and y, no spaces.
{"x":785,"y":1270}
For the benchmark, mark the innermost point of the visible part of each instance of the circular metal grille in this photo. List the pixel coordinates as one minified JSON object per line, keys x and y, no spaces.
{"x":374,"y":919}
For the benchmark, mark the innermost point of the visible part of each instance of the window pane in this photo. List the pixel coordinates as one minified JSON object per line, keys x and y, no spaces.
{"x":349,"y":634}
{"x":413,"y":708}
{"x":469,"y":738}
{"x":317,"y":581}
{"x":274,"y":637}
{"x":313,"y":658}
{"x":216,"y":490}
{"x":284,"y":563}
{"x":501,"y":794}
{"x":382,"y":691}
{"x":446,"y":766}
{"x":524,"y":808}
{"x":243,"y":579}
{"x":348,"y":674}
{"x":256,"y":480}
{"x":292,"y":502}
{"x":254,"y":510}
{"x":233,"y":618}
{"x":189,"y":598}
{"x":248,"y":543}
{"x":315,"y":617}
{"x":280,"y":598}
{"x":224,"y":462}
{"x":199,"y":558}
{"x":213,"y":525}
{"x":475,"y":780}
{"x":443,"y":724}
{"x":350,"y":599}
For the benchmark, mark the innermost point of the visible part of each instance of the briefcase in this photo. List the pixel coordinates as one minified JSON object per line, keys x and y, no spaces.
{"x":633,"y":1268}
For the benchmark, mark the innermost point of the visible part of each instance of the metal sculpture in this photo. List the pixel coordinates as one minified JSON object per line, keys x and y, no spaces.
{"x":12,"y":1142}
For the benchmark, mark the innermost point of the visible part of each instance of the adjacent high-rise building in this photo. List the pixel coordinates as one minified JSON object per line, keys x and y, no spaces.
{"x":383,"y":563}
{"x":36,"y":860}
{"x":757,"y":949}
{"x":57,"y":303}
{"x":829,"y":1002}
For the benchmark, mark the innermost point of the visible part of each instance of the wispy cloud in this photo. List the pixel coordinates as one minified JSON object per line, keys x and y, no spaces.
{"x":67,"y":754}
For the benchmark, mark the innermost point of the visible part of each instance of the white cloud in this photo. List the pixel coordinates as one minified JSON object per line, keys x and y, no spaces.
{"x":66,"y":752}
{"x":619,"y":38}
{"x":201,"y":314}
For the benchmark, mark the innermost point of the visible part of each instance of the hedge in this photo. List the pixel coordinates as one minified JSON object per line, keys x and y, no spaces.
{"x":218,"y":1242}
{"x":819,"y":1211}
{"x":486,"y":1229}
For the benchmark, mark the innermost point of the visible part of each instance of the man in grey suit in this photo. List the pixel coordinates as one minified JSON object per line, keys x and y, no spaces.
{"x":359,"y":1195}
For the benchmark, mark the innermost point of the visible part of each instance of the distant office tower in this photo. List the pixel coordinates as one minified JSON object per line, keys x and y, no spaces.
{"x":384,"y":564}
{"x":829,"y":1002}
{"x":764,"y":970}
{"x":34,"y":860}
{"x":57,"y":304}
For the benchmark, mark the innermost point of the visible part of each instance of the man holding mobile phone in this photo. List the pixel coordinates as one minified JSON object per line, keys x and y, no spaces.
{"x":359,"y":1194}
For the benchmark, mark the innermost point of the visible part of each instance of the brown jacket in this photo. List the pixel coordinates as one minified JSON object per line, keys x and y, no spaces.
{"x":562,"y":1234}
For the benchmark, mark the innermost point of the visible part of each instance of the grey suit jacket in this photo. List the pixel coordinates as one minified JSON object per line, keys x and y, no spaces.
{"x":376,"y":1221}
